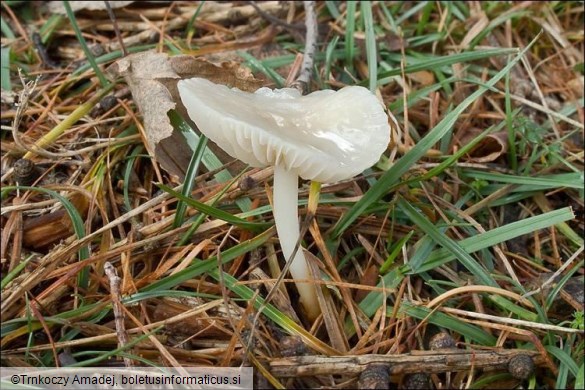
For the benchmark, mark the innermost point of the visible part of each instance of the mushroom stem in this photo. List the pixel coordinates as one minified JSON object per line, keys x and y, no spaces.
{"x":286,"y":217}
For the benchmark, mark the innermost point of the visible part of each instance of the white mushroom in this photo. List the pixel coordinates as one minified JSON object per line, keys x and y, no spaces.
{"x":325,"y":136}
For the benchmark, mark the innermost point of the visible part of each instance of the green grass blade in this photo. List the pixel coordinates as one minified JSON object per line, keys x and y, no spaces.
{"x":12,"y":274}
{"x":411,"y":12}
{"x":395,"y":252}
{"x":108,"y":354}
{"x":201,"y":217}
{"x":100,"y":75}
{"x":564,"y":358}
{"x":190,"y":176}
{"x":6,"y":30}
{"x":190,"y":29}
{"x":5,"y":82}
{"x":508,"y":306}
{"x":332,"y":9}
{"x":209,"y":160}
{"x":531,"y":183}
{"x":374,"y":300}
{"x":329,"y":60}
{"x":451,"y":160}
{"x":145,"y":295}
{"x":453,"y":247}
{"x":551,"y":296}
{"x":109,"y":57}
{"x":494,"y":23}
{"x":415,"y":96}
{"x":512,"y":159}
{"x":372,"y":59}
{"x":128,"y":173}
{"x":68,"y":121}
{"x":50,"y":26}
{"x":563,"y":377}
{"x":349,"y":43}
{"x":62,"y":318}
{"x":484,"y":382}
{"x":259,"y":66}
{"x":580,"y":380}
{"x":497,"y":236}
{"x":423,"y":19}
{"x":436,"y":63}
{"x":215,"y":212}
{"x":388,"y":15}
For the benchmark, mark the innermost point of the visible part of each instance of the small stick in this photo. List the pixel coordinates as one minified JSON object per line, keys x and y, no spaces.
{"x":118,"y":310}
{"x":302,"y":82}
{"x":431,"y":362}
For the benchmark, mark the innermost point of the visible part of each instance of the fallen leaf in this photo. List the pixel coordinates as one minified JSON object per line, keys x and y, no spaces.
{"x":488,"y":149}
{"x":423,"y":77}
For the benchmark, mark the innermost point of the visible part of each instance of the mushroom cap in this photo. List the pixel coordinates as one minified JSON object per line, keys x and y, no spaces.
{"x":325,"y":136}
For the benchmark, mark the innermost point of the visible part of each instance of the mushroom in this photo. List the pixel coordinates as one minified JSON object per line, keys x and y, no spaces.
{"x":325,"y":136}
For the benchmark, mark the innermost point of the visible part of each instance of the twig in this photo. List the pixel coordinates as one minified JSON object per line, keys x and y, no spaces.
{"x":439,"y":361}
{"x":118,"y":310}
{"x":302,"y":82}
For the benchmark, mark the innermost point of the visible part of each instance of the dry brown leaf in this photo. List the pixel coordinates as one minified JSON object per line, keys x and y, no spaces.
{"x":423,"y":77}
{"x":58,"y":8}
{"x":488,"y":149}
{"x":152,"y":78}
